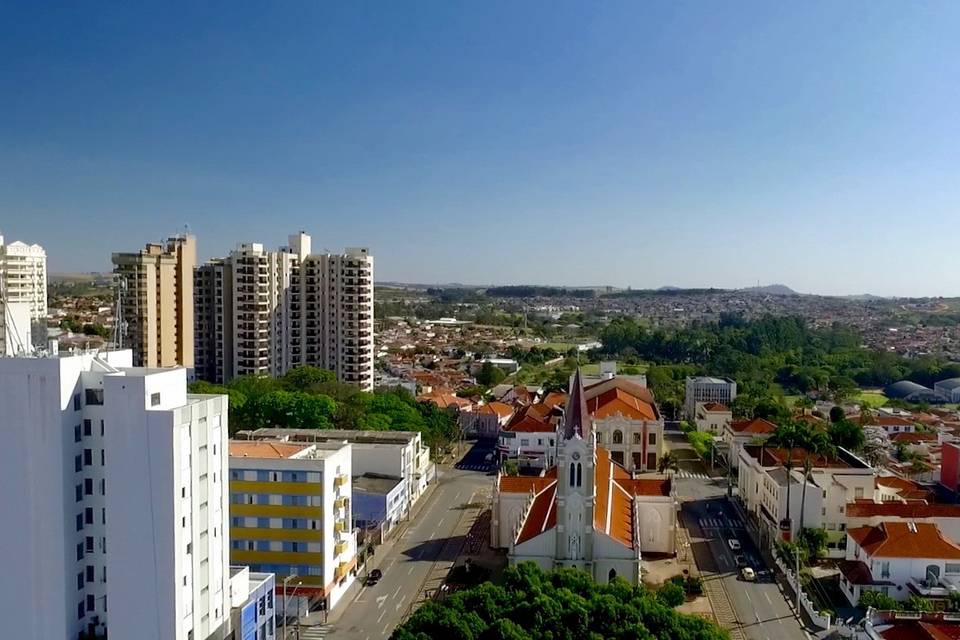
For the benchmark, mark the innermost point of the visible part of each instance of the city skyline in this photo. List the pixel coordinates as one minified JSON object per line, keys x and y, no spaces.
{"x":625,"y":144}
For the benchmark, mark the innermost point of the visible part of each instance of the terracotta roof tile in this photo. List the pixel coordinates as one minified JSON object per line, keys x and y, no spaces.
{"x":261,"y":449}
{"x":757,"y":426}
{"x":905,"y":510}
{"x":905,"y":540}
{"x":715,"y":407}
{"x":618,"y":402}
{"x":542,"y":515}
{"x":524,"y":484}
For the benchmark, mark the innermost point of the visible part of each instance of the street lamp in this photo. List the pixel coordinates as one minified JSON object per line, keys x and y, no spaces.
{"x":285,"y":581}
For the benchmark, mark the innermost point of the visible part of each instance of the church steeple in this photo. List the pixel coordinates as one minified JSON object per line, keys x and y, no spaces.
{"x":576,"y":419}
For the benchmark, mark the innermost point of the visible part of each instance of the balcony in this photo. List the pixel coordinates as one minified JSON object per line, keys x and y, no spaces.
{"x":340,"y":548}
{"x":340,"y":480}
{"x":340,"y":526}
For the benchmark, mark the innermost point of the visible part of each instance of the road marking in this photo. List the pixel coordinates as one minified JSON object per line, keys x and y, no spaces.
{"x":767,"y":596}
{"x":400,"y":604}
{"x":382,"y":613}
{"x":380,"y":601}
{"x":433,"y":535}
{"x":410,"y":572}
{"x":456,"y":497}
{"x":747,"y":593}
{"x":441,"y":522}
{"x":387,"y":626}
{"x":397,"y":592}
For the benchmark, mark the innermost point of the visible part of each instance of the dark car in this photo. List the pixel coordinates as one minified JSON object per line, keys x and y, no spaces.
{"x":374,"y":577}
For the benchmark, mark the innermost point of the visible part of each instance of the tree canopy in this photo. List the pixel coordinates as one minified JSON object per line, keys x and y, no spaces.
{"x":565,"y":604}
{"x":311,"y":398}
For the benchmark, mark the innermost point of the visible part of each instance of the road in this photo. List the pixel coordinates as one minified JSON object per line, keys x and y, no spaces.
{"x":376,"y":610}
{"x":760,"y":607}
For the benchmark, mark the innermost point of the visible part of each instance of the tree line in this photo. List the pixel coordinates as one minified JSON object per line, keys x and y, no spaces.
{"x":311,"y":398}
{"x":564,"y":604}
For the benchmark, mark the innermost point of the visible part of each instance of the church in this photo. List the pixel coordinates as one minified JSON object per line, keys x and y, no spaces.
{"x":587,"y":511}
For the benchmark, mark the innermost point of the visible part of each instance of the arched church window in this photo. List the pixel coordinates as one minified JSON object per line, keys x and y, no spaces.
{"x":611,"y":575}
{"x":579,"y":475}
{"x":573,"y":475}
{"x":618,"y":437}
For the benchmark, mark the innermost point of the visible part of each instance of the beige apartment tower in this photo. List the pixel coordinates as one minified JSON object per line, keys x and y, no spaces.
{"x":261,"y":312}
{"x":157,"y":305}
{"x":23,"y":297}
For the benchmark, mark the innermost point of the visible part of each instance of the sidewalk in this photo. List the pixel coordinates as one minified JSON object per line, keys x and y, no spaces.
{"x":381,"y":552}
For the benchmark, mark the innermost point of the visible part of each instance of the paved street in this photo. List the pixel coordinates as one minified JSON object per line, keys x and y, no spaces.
{"x":759,"y":607}
{"x":429,"y":538}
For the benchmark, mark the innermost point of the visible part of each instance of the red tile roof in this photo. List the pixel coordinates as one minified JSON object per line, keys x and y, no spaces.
{"x":525,"y":484}
{"x":613,"y":510}
{"x":914,"y":438}
{"x":905,"y":540}
{"x":757,"y":426}
{"x":619,"y":402}
{"x":714,"y":407}
{"x":501,"y":409}
{"x":905,"y":510}
{"x":918,"y":630}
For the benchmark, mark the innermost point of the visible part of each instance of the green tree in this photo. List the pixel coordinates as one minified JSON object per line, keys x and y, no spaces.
{"x":814,"y":541}
{"x":846,"y":434}
{"x":876,"y":600}
{"x":561,"y":604}
{"x":836,"y":413}
{"x":490,"y":375}
{"x":917,"y":604}
{"x":668,"y":462}
{"x":671,"y":594}
{"x":815,"y":443}
{"x":788,"y":436}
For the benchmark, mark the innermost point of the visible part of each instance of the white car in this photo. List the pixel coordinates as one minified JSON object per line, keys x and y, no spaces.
{"x":734,"y":544}
{"x":748,"y":574}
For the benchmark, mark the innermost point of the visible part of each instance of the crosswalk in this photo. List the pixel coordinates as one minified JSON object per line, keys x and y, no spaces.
{"x":692,"y":474}
{"x":317,"y":632}
{"x":473,"y":467}
{"x":721,"y":523}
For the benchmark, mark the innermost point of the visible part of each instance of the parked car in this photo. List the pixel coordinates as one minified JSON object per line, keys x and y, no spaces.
{"x":734,"y":544}
{"x":374,"y":577}
{"x":748,"y":574}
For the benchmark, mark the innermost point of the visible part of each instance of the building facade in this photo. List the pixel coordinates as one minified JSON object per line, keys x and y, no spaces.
{"x":157,"y":306}
{"x":268,"y":311}
{"x":115,"y":479}
{"x":707,"y":389}
{"x":587,"y":511}
{"x":712,"y":418}
{"x":252,"y":605}
{"x":290,"y":514}
{"x":23,"y":284}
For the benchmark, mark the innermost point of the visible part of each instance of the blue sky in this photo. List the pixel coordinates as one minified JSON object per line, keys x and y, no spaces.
{"x":624,"y":143}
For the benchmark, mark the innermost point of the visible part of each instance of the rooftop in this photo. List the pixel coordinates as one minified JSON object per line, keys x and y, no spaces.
{"x":321,"y":435}
{"x":375,"y":483}
{"x":905,"y":540}
{"x":254,"y":449}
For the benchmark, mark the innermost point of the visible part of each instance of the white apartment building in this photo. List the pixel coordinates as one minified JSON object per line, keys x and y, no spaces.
{"x":834,"y":482}
{"x":707,"y":389}
{"x":23,"y":280}
{"x":290,"y":514}
{"x":331,"y":306}
{"x":261,"y":322}
{"x":114,"y":477}
{"x":261,"y":312}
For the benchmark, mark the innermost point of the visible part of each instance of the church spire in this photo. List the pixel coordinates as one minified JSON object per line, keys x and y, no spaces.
{"x":575,"y":416}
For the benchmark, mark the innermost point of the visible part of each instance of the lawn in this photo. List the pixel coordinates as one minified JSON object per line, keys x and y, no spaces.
{"x":871,"y":398}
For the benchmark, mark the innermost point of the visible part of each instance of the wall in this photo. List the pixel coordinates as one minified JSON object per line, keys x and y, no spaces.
{"x":822,"y":621}
{"x":950,"y":466}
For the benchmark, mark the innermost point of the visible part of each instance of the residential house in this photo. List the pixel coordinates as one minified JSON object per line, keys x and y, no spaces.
{"x":712,"y":417}
{"x":743,"y":432}
{"x":900,"y":559}
{"x":627,"y":423}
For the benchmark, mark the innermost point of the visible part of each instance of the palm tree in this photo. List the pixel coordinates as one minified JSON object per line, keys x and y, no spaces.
{"x":788,"y":437}
{"x":668,"y":462}
{"x":817,"y":443}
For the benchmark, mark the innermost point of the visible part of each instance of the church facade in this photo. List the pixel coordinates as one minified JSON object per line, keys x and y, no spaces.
{"x":587,"y":511}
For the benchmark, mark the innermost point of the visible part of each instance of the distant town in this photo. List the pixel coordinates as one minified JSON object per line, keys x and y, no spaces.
{"x":295,"y":451}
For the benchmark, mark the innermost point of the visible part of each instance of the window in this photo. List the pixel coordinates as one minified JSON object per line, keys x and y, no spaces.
{"x":637,"y":438}
{"x":103,"y":458}
{"x":76,"y":407}
{"x":884,"y":569}
{"x":79,"y":551}
{"x":88,"y":515}
{"x":88,"y":427}
{"x":76,"y":434}
{"x":79,"y":492}
{"x":89,"y":544}
{"x":101,"y":427}
{"x":154,"y":399}
{"x":579,"y":475}
{"x":90,"y":603}
{"x":79,"y":522}
{"x":858,"y":493}
{"x":524,"y":442}
{"x":87,"y":457}
{"x":94,"y":396}
{"x":80,"y":605}
{"x":951,"y":567}
{"x":653,"y":438}
{"x":103,"y":487}
{"x":78,"y":463}
{"x":89,"y":573}
{"x":618,"y":437}
{"x":88,"y":486}
{"x":80,"y":581}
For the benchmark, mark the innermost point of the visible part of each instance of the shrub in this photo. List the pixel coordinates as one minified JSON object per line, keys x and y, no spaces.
{"x":671,"y":594}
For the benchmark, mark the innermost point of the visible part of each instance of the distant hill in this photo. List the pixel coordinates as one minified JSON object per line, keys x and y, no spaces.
{"x":772,"y":290}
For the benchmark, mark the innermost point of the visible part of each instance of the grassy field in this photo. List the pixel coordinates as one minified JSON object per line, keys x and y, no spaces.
{"x":871,"y":398}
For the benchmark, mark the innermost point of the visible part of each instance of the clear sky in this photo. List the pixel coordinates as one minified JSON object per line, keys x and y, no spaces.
{"x":625,"y":143}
